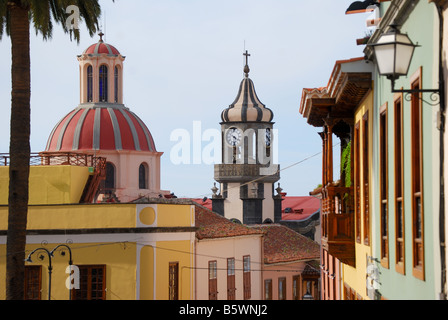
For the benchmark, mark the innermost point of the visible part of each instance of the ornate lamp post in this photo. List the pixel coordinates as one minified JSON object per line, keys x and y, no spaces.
{"x":50,"y":267}
{"x":70,"y":261}
{"x":50,"y":255}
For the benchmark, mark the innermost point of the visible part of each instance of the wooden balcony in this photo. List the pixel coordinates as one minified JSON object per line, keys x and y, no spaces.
{"x":338,"y":231}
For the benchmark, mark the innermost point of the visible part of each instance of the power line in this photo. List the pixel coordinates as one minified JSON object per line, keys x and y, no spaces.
{"x":278,"y":171}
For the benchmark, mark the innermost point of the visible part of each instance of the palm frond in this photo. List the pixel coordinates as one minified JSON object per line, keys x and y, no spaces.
{"x":44,"y":14}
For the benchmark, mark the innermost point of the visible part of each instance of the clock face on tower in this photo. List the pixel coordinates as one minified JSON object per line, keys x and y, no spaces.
{"x":233,"y":136}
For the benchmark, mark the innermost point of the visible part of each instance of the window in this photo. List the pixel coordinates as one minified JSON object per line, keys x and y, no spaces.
{"x":282,"y":289}
{"x":89,"y":84}
{"x":365,"y":174}
{"x":231,"y":279}
{"x":92,"y":280}
{"x":296,"y":288}
{"x":212,"y":281}
{"x":268,"y":289}
{"x":246,"y":278}
{"x":399,"y":207}
{"x":417,"y":183}
{"x":173,"y":281}
{"x":143,"y":176}
{"x":33,"y":282}
{"x":384,"y":219}
{"x":109,"y":183}
{"x":103,"y":83}
{"x":116,"y":85}
{"x":357,"y":184}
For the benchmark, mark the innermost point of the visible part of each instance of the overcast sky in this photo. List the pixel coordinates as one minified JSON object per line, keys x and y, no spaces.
{"x":184,"y":63}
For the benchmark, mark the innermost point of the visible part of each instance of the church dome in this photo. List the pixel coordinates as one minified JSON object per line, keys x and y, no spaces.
{"x":101,"y":47}
{"x":101,"y":121}
{"x":100,"y":127}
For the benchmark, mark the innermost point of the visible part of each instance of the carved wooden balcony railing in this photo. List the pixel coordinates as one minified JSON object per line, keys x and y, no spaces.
{"x":338,"y":223}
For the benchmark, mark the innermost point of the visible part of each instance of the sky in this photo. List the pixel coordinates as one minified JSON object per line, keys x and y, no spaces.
{"x":184,"y":63}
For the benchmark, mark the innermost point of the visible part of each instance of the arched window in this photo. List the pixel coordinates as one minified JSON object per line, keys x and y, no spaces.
{"x":110,"y":176}
{"x":89,"y":84}
{"x":103,"y":83}
{"x":116,"y":84}
{"x":143,"y":176}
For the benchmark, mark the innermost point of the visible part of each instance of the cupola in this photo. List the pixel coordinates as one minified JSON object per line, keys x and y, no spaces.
{"x":247,"y":107}
{"x":102,"y":125}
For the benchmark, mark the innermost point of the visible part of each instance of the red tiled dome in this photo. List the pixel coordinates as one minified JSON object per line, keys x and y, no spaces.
{"x":100,"y":128}
{"x":101,"y":47}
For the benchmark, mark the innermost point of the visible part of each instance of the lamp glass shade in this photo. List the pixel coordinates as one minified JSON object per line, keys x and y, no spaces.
{"x":393,"y":52}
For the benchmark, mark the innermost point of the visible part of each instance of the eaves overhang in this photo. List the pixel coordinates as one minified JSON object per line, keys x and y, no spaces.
{"x":349,"y":83}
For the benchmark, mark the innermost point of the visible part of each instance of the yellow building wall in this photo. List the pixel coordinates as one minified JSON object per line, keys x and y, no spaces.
{"x":76,"y":216}
{"x":119,"y":259}
{"x":50,"y":184}
{"x":147,"y":274}
{"x":356,"y":277}
{"x":171,"y":215}
{"x":133,"y":268}
{"x":183,"y":256}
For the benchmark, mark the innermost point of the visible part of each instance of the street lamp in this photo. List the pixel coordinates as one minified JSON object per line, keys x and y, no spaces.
{"x":50,"y":257}
{"x":70,"y":261}
{"x":50,"y":267}
{"x":393,"y":53}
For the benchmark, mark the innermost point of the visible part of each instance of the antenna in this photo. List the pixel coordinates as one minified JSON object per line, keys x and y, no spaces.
{"x":105,"y":25}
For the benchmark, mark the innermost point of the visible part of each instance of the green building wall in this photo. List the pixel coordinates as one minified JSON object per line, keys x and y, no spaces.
{"x":422,"y":27}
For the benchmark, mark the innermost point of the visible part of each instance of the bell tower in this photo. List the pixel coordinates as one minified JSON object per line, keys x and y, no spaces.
{"x":247,"y":173}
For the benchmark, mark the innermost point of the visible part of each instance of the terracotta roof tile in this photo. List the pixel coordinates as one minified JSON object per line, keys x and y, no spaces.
{"x":211,"y":225}
{"x":281,"y":244}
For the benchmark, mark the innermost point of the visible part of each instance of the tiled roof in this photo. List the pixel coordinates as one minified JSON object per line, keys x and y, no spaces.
{"x":282,"y":244}
{"x":100,"y":127}
{"x":211,"y":226}
{"x":300,"y":208}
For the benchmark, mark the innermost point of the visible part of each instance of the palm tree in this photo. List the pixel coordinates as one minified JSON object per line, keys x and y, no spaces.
{"x":15,"y":19}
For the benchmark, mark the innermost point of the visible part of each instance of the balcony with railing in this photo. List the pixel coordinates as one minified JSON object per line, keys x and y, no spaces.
{"x":96,"y":165}
{"x":338,"y":223}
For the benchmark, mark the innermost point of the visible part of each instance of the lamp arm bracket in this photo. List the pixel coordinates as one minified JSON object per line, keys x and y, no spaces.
{"x":409,"y":93}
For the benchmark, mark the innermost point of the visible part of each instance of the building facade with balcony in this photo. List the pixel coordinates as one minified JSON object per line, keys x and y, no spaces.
{"x":385,"y":225}
{"x":407,"y":194}
{"x":341,"y":109}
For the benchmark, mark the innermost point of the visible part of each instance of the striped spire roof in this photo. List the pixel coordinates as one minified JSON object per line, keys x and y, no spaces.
{"x":247,"y":107}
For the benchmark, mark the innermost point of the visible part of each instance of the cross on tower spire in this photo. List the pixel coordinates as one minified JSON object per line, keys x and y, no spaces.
{"x":246,"y":67}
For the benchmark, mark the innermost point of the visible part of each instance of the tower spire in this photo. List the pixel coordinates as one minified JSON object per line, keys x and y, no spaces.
{"x":246,"y":67}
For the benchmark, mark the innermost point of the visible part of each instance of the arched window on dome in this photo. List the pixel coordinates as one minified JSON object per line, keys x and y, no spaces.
{"x":109,"y":183}
{"x":143,"y":171}
{"x":89,"y":84}
{"x":103,"y":83}
{"x":116,"y":87}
